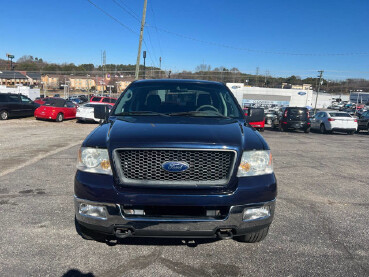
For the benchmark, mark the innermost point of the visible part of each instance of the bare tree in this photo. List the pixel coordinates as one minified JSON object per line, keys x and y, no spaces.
{"x":203,"y":67}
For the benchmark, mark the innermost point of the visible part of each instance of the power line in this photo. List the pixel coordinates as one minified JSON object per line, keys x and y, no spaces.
{"x":126,"y":9}
{"x":152,"y":46}
{"x":254,"y":50}
{"x":152,"y":62}
{"x":112,"y":17}
{"x":157,"y":33}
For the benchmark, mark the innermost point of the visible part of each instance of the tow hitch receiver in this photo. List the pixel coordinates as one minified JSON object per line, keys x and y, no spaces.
{"x":123,"y":233}
{"x":225,"y":233}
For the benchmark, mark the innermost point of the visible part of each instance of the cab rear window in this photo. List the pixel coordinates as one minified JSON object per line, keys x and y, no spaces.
{"x":300,"y":114}
{"x":339,"y":115}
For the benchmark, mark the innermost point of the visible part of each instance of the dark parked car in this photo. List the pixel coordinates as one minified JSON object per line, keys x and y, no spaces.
{"x":16,"y":105}
{"x":270,"y":116}
{"x":174,"y":158}
{"x":363,"y":122}
{"x":292,"y":118}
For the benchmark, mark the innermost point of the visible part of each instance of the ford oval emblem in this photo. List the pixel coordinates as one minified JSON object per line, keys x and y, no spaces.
{"x":301,"y":93}
{"x":175,"y":166}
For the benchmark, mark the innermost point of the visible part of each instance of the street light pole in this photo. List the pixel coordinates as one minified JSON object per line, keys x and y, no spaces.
{"x":144,"y":56}
{"x":110,"y":86}
{"x":317,"y":93}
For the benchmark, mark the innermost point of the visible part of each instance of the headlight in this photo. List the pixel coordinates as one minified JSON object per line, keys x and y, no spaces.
{"x":255,"y":163}
{"x":94,"y":160}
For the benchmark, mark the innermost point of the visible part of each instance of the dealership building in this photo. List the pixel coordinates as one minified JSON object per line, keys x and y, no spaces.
{"x":277,"y":97}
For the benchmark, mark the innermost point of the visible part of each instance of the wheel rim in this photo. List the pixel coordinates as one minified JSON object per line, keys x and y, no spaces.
{"x":4,"y":115}
{"x":59,"y":117}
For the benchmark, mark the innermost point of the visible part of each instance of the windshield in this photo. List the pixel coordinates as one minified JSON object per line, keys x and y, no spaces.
{"x":178,"y":99}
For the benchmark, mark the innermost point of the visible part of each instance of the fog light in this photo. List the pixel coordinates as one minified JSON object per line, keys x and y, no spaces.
{"x":134,"y":212}
{"x":256,"y":213}
{"x":213,"y":213}
{"x":98,"y":212}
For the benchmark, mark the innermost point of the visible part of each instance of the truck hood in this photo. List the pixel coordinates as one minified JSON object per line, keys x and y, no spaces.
{"x":155,"y":131}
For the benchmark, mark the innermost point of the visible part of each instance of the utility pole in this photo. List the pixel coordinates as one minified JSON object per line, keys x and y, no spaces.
{"x":257,"y":76}
{"x":317,"y":93}
{"x":140,"y":41}
{"x":160,"y":67}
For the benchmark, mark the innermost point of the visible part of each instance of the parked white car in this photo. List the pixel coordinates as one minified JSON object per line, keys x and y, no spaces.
{"x":86,"y":112}
{"x":330,"y":121}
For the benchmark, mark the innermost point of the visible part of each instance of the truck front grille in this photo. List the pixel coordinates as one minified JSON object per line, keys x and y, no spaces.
{"x":144,"y":166}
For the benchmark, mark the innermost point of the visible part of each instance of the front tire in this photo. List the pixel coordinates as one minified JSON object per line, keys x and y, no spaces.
{"x":59,"y":117}
{"x":4,"y":115}
{"x":254,"y":236}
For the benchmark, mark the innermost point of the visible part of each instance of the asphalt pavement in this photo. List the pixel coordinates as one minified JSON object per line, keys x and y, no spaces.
{"x":321,"y":225}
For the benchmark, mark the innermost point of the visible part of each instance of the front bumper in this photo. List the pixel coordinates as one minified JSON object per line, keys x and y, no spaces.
{"x":172,"y":227}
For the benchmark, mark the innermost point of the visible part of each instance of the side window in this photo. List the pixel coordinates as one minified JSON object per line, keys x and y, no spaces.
{"x":25,"y":99}
{"x":13,"y":98}
{"x":3,"y":98}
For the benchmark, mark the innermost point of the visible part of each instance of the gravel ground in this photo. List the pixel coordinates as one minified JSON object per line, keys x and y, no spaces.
{"x":26,"y":140}
{"x":320,"y":227}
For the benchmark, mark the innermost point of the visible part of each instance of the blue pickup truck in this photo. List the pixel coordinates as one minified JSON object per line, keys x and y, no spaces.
{"x":174,"y":158}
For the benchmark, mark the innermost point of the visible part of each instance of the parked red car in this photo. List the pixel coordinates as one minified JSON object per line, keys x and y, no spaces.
{"x":56,"y":109}
{"x":102,"y":99}
{"x":255,"y":117}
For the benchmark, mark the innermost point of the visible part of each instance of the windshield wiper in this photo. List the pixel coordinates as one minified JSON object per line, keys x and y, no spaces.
{"x":200,"y":113}
{"x":140,"y":113}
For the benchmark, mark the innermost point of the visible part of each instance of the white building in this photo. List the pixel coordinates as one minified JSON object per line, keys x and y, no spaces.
{"x":274,"y":97}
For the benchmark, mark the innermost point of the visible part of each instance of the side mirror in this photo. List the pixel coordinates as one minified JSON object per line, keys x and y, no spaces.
{"x":101,"y":112}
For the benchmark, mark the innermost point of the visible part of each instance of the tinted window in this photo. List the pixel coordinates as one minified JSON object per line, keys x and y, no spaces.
{"x":3,"y":98}
{"x":339,"y":115}
{"x":109,"y":100}
{"x":297,"y":114}
{"x":173,"y":97}
{"x":25,"y":99}
{"x":96,"y":99}
{"x":13,"y":98}
{"x":70,"y":104}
